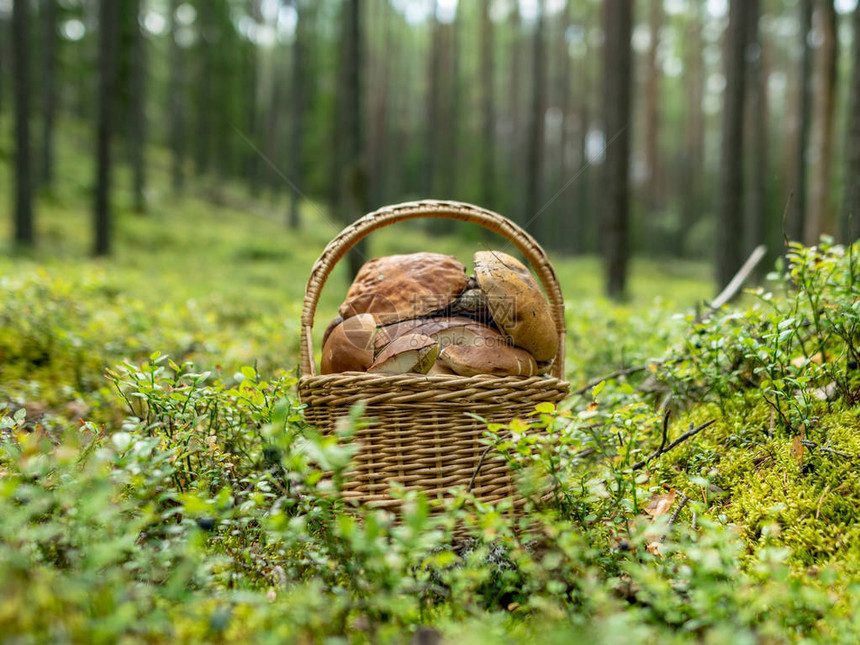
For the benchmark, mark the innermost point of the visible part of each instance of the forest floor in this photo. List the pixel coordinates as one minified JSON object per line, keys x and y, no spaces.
{"x":157,"y":482}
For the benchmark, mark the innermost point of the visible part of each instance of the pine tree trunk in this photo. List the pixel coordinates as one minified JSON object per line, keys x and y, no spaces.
{"x":582,"y":234}
{"x":757,"y":216}
{"x":176,"y":105}
{"x":253,"y":123}
{"x":205,"y":95}
{"x":796,"y":222}
{"x":397,"y":137}
{"x":730,"y":198}
{"x":535,"y":221}
{"x":356,"y":183}
{"x":452,"y":118}
{"x":107,"y":56}
{"x":448,"y":105}
{"x":488,"y":114}
{"x":49,"y":91}
{"x":652,"y":106}
{"x":851,"y":210}
{"x":299,"y":100}
{"x":819,"y":216}
{"x":5,"y":36}
{"x":24,"y":232}
{"x":138,"y":109}
{"x":515,"y":140}
{"x":617,"y":80}
{"x":431,"y":133}
{"x":563,"y":206}
{"x":693,"y":157}
{"x":378,"y":144}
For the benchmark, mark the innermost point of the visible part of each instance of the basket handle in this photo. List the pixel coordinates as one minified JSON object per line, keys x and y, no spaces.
{"x":388,"y":215}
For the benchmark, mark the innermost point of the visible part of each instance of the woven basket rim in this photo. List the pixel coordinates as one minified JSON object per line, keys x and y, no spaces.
{"x":442,"y":379}
{"x":349,"y":387}
{"x":430,"y":208}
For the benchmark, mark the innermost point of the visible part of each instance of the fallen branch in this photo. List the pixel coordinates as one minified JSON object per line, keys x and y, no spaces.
{"x":735,"y":283}
{"x":665,"y":436}
{"x":625,"y":371}
{"x":622,"y":372}
{"x":478,"y":468}
{"x":690,"y":433}
{"x":675,"y":514}
{"x":831,"y":451}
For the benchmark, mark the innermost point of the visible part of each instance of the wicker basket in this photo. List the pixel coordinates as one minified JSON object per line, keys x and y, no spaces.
{"x":420,"y":433}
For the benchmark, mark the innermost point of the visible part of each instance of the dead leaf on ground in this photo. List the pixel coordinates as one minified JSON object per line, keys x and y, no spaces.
{"x":797,"y":446}
{"x":654,"y":549}
{"x":660,"y":504}
{"x":800,"y":361}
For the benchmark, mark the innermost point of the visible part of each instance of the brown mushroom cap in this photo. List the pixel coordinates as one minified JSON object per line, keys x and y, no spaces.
{"x":469,"y":360}
{"x":328,"y":330}
{"x":517,"y":303}
{"x":440,"y":369}
{"x":400,"y":287}
{"x":445,"y":330}
{"x":388,"y":333}
{"x":409,"y":353}
{"x":349,"y":346}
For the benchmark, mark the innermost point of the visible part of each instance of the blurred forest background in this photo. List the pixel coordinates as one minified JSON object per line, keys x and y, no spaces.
{"x":670,"y":128}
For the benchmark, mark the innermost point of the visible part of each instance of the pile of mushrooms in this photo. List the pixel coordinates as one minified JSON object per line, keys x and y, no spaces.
{"x":421,"y":313}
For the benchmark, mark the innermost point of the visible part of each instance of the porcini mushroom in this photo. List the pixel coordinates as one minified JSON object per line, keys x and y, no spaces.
{"x":349,"y":345}
{"x":409,"y":353}
{"x":453,"y":330}
{"x":517,"y":304}
{"x":470,"y":360}
{"x":400,"y":287}
{"x":328,"y":330}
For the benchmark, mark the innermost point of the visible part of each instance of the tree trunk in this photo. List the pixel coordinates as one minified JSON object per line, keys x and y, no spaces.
{"x":851,"y":210}
{"x":5,"y":36}
{"x":431,"y":134}
{"x":378,"y":144}
{"x":531,"y":218}
{"x":617,"y":67}
{"x":563,"y":211}
{"x":757,"y":216}
{"x":356,"y":183}
{"x":205,"y":96}
{"x":730,"y":199}
{"x":338,"y":128}
{"x":452,"y":117}
{"x":254,"y":124}
{"x":299,"y":100}
{"x":488,"y":114}
{"x":693,"y":157}
{"x":24,"y":231}
{"x":138,"y":109}
{"x":400,"y":81}
{"x":448,"y":107}
{"x":796,"y":222}
{"x":49,"y":91}
{"x":107,"y":56}
{"x":176,"y":105}
{"x":514,"y":129}
{"x":652,"y":107}
{"x":819,"y":216}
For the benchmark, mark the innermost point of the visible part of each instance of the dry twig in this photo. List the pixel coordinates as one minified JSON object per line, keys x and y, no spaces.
{"x":690,"y":433}
{"x":675,"y":514}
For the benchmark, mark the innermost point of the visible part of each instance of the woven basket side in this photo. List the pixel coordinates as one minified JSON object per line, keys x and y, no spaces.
{"x":431,"y":445}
